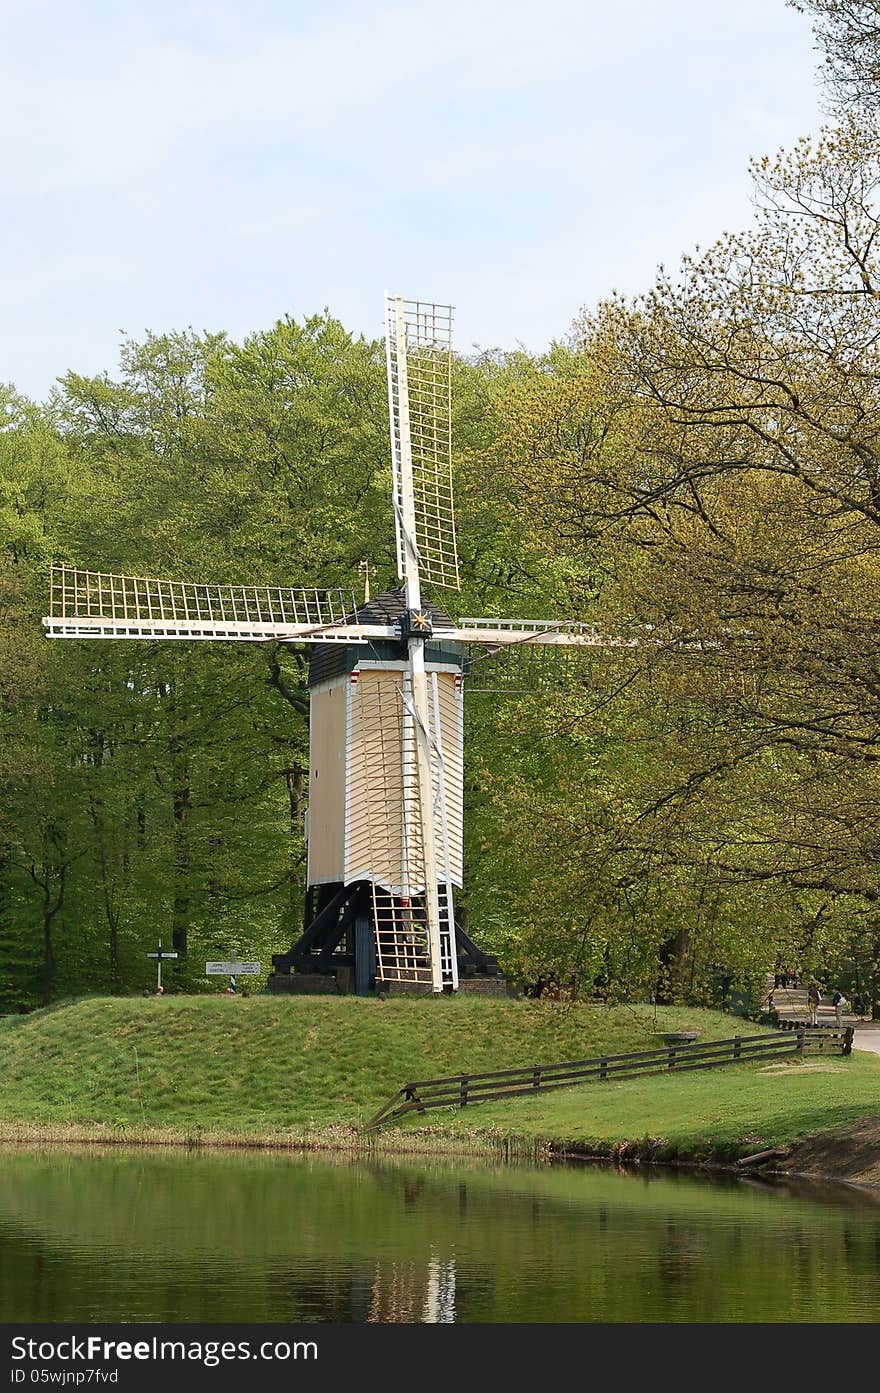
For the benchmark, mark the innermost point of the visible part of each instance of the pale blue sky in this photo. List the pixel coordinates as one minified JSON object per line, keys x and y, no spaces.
{"x":200,"y":162}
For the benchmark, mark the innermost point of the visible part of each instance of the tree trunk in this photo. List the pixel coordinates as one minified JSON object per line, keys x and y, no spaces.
{"x":294,"y":779}
{"x":875,"y":975}
{"x":110,"y":908}
{"x":182,"y":803}
{"x":115,"y":976}
{"x":48,"y":957}
{"x":49,"y":913}
{"x":671,"y":960}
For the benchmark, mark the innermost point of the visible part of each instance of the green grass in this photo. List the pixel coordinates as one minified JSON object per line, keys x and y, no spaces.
{"x":270,"y":1068}
{"x":267,"y":1063}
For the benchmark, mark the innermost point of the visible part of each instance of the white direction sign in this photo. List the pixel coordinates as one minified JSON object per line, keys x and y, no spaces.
{"x":232,"y":969}
{"x":160,"y":957}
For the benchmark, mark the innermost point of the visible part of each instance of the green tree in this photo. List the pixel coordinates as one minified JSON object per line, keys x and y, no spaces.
{"x":711,"y":450}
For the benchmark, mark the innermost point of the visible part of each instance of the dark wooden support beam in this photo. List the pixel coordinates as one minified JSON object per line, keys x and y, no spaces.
{"x":469,"y":950}
{"x":334,"y":937}
{"x":324,"y":922}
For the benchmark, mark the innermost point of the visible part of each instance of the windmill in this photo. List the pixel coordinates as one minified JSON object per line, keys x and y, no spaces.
{"x":386,"y":683}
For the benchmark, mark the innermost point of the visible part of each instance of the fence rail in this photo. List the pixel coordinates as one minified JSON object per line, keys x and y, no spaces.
{"x":457,"y":1090}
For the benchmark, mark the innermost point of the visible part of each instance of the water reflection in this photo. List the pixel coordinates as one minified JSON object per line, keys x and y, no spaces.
{"x":138,"y":1235}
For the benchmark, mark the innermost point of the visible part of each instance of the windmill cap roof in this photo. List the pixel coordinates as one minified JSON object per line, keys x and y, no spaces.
{"x":330,"y":660}
{"x":390,"y":607}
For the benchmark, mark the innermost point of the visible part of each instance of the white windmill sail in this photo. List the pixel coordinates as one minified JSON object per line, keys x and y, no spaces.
{"x":418,"y":342}
{"x":418,"y":346}
{"x":516,"y":657}
{"x":98,"y":604}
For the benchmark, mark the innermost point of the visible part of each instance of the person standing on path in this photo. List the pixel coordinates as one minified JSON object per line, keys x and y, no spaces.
{"x":813,"y":999}
{"x":839,"y":1001}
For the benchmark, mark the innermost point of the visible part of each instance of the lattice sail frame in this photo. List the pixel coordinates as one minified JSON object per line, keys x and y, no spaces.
{"x":90,"y":604}
{"x":526,"y":668}
{"x":418,"y":344}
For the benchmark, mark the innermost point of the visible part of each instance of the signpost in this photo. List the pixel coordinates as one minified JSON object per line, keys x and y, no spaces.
{"x":160,"y":957}
{"x":232,"y":969}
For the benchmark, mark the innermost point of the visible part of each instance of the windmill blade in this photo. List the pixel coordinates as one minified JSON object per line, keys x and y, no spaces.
{"x":492,"y":634}
{"x":96,"y":604}
{"x":418,"y":344}
{"x":517,"y":669}
{"x":538,"y":633}
{"x":530,"y":655}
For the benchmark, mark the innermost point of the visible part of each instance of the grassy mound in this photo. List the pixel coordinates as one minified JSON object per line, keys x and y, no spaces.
{"x":259,"y":1064}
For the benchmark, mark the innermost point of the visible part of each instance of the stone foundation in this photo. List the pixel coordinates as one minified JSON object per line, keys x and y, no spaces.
{"x":486,"y":986}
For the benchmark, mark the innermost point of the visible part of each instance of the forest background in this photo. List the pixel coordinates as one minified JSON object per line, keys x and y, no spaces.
{"x":696,"y":469}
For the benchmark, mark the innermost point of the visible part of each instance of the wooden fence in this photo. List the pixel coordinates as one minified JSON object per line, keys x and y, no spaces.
{"x":457,"y":1090}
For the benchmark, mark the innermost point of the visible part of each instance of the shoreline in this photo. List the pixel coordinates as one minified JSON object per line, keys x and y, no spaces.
{"x":351,"y":1143}
{"x":338,"y":1140}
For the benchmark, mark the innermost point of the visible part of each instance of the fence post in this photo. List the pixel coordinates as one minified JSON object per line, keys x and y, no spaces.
{"x":413,"y":1097}
{"x":671,"y":1057}
{"x":801,"y":1036}
{"x":848,"y":1040}
{"x":737,"y":1047}
{"x":463,"y":1091}
{"x":536,"y":1078}
{"x":603,"y":1068}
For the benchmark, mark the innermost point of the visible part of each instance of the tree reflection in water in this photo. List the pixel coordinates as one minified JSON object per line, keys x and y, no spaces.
{"x":136,"y":1235}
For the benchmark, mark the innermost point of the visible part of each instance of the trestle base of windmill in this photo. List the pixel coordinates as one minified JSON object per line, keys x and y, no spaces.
{"x":337,"y":952}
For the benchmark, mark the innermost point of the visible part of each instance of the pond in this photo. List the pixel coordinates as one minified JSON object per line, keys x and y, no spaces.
{"x":136,"y":1235}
